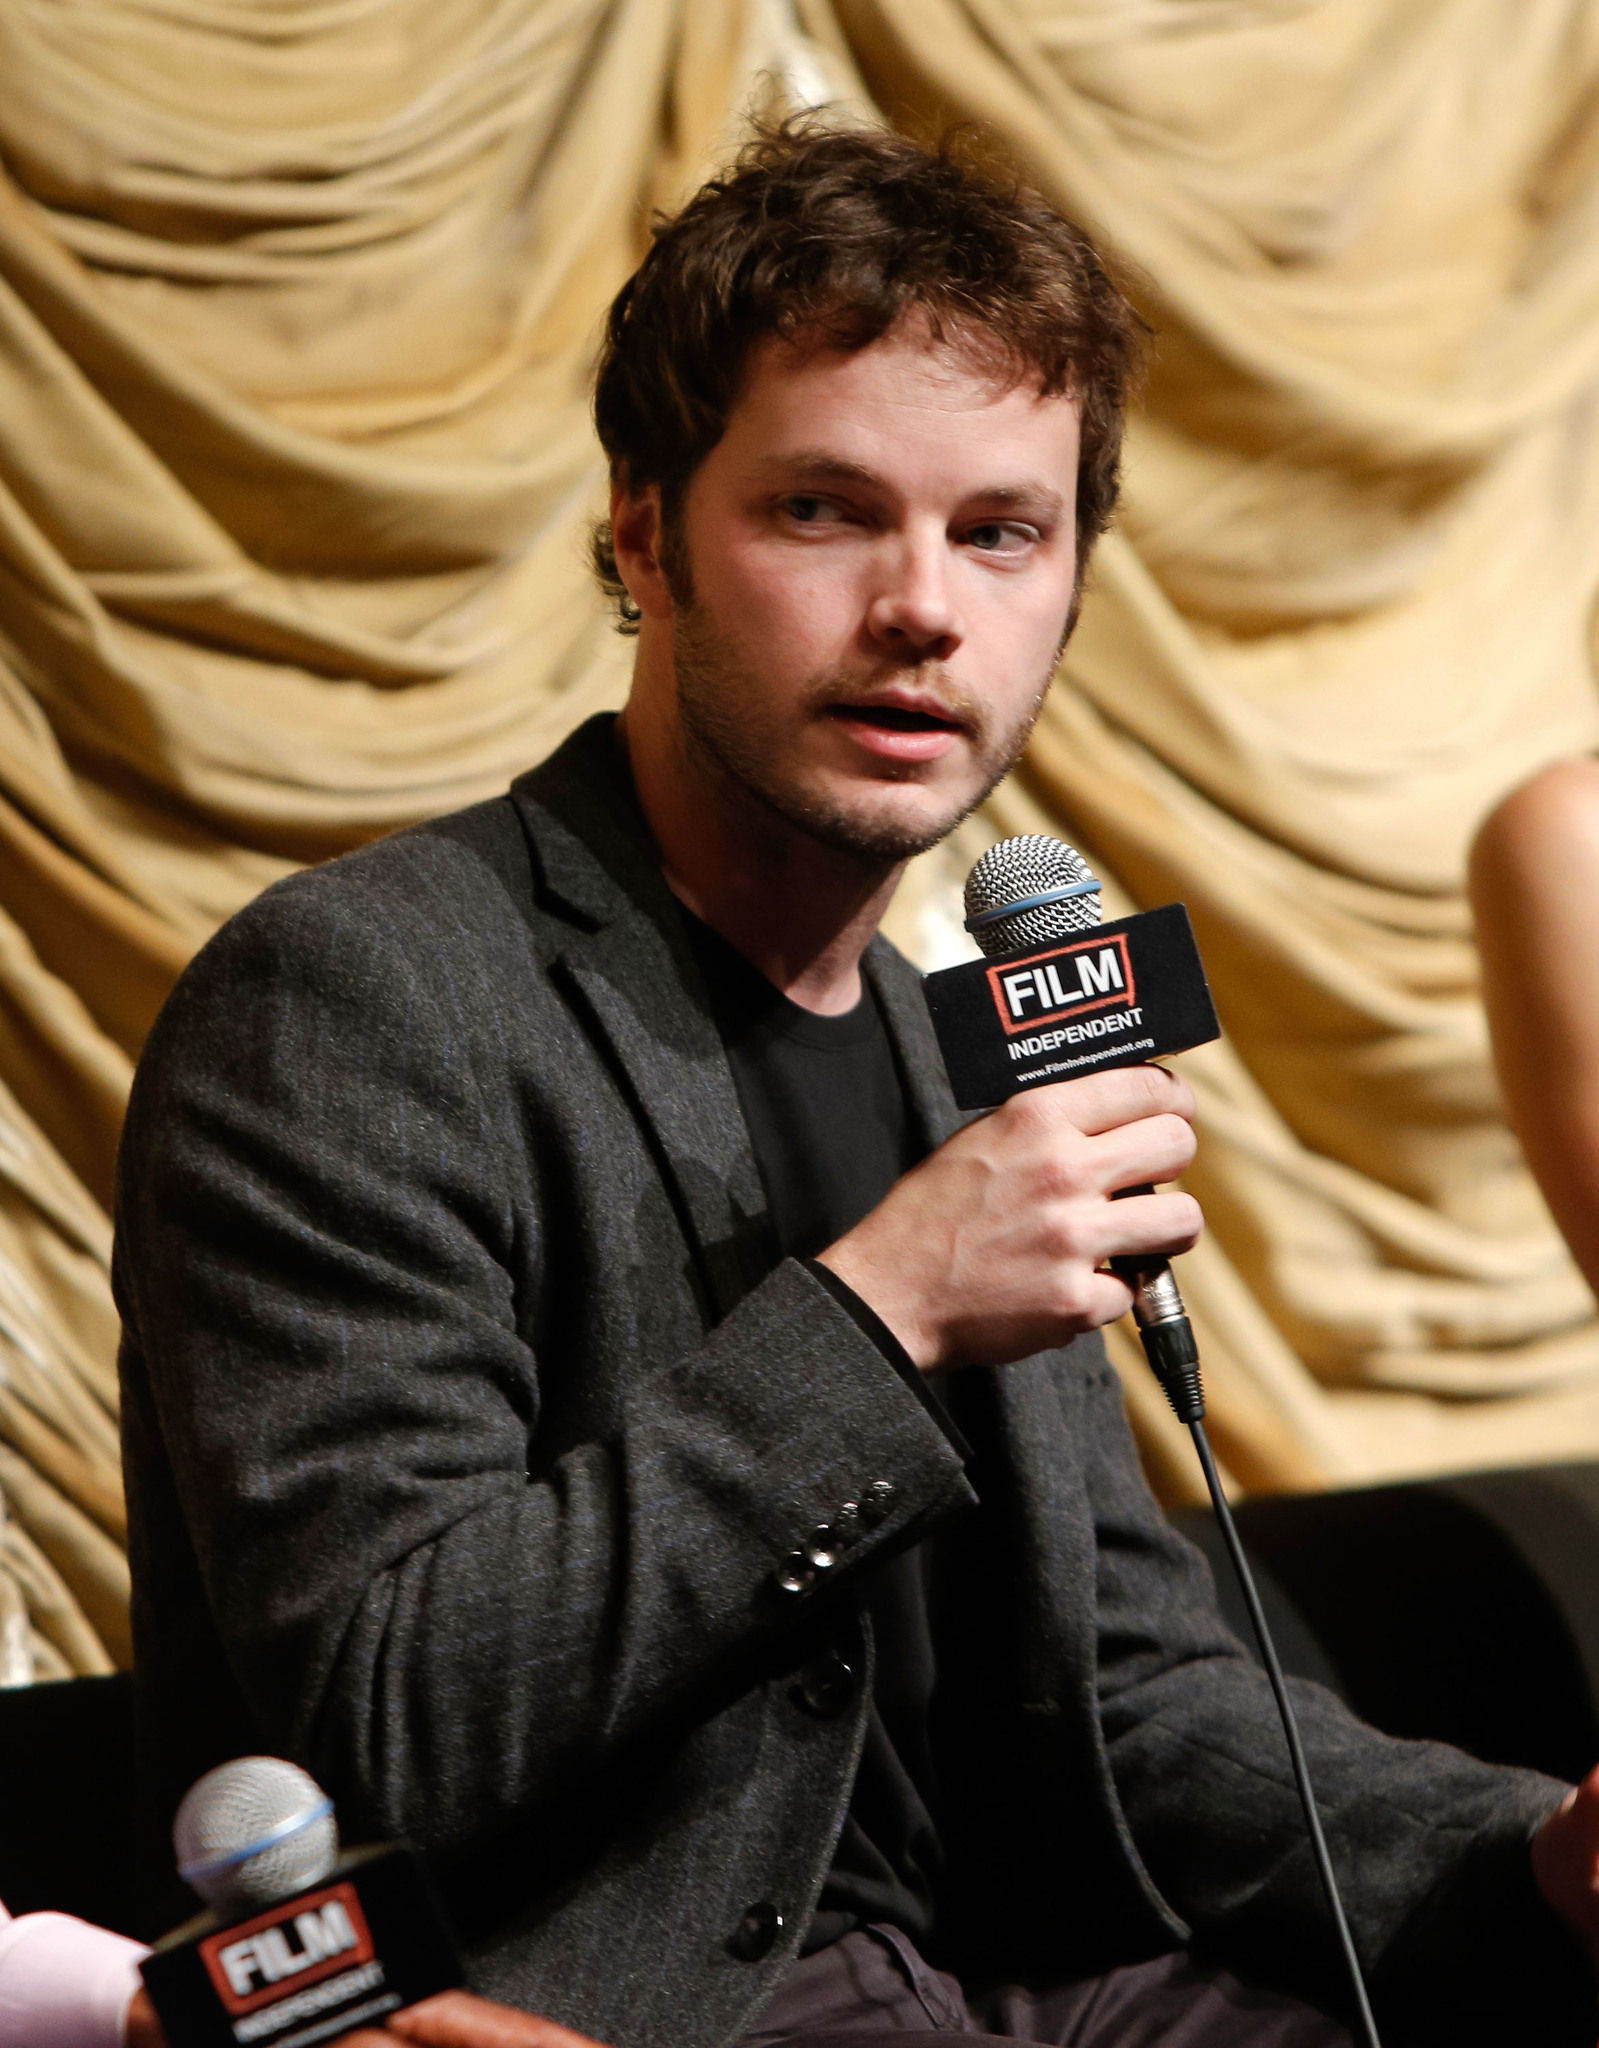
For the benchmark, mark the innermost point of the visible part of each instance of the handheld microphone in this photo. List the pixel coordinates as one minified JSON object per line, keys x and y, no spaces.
{"x":298,"y":1943}
{"x":1028,"y":901}
{"x":1024,"y":894}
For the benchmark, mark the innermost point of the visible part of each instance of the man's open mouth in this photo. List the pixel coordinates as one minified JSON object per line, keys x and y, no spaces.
{"x":896,"y":718}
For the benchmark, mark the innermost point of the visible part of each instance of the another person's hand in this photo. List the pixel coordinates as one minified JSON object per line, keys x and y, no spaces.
{"x":1565,"y":1862}
{"x":459,"y":2019}
{"x":994,"y":1246}
{"x":141,"y":2028}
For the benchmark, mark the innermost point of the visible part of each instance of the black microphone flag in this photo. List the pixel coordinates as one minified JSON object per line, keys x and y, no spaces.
{"x":1113,"y":995}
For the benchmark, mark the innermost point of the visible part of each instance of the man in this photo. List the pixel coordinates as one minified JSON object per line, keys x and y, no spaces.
{"x":584,"y":1403}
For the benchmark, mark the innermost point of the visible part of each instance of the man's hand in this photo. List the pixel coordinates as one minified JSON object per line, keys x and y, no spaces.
{"x":454,"y":2019}
{"x":993,"y":1247}
{"x":1565,"y":1862}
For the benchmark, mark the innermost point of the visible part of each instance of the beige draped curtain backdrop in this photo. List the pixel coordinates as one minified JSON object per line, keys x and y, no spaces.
{"x":297,"y":302}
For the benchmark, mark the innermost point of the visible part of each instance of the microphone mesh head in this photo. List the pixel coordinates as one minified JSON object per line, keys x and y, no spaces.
{"x":239,"y":1803}
{"x":1029,"y":865}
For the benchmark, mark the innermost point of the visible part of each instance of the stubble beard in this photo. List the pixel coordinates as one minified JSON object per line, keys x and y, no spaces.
{"x":720,"y":707}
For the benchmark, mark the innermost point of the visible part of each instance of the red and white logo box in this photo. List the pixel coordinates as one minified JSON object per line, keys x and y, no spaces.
{"x":368,"y":1939}
{"x":1113,"y":996}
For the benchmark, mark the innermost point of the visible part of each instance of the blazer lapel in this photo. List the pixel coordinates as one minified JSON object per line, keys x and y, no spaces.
{"x":1040,"y":1421}
{"x":627,"y":967}
{"x":671,"y":1064}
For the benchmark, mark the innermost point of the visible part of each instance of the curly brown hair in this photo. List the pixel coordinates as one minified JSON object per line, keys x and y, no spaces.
{"x":836,"y":234}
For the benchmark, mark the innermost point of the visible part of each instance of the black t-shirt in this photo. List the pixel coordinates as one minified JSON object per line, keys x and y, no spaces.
{"x":827,"y":1114}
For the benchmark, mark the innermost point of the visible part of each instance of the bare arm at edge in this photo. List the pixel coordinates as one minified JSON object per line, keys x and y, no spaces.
{"x":1534,"y":888}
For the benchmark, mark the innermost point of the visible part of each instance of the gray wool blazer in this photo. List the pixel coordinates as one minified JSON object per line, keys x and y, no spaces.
{"x":469,"y":1424}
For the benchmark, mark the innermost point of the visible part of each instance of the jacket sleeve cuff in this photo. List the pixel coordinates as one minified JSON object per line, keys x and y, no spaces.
{"x":871,"y":1325}
{"x":791,"y":1414}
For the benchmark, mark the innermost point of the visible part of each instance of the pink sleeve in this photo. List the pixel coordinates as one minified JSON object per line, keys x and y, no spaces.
{"x":64,"y":1982}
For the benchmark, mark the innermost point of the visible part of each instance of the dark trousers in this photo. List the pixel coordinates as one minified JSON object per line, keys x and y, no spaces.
{"x":873,"y":1982}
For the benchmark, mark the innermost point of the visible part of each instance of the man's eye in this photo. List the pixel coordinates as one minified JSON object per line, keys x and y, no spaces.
{"x":998,"y":536}
{"x":808,"y":511}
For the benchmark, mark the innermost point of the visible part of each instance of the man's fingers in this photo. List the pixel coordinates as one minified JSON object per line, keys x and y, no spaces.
{"x":1099,"y":1298}
{"x":1104,"y":1102}
{"x":1169,"y":1224}
{"x":1156,"y":1148}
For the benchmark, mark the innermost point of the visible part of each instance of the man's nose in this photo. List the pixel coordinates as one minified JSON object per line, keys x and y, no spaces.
{"x":913,"y":613}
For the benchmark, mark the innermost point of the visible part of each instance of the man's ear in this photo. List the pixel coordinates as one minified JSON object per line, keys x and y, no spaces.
{"x":636,"y":536}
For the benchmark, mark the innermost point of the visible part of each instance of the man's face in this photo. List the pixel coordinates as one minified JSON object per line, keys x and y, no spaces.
{"x":875,"y":566}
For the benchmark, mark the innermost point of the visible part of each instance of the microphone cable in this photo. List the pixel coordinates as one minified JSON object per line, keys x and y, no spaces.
{"x":1169,"y":1345}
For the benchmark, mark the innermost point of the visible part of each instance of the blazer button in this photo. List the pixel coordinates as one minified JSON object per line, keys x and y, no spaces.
{"x":877,"y":1501}
{"x":796,"y":1574}
{"x":758,"y":1927}
{"x":823,"y":1546}
{"x":826,"y":1686}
